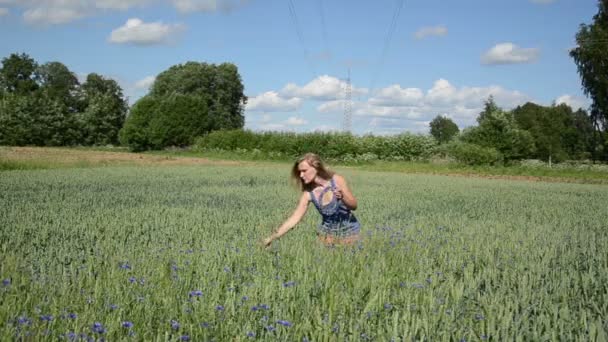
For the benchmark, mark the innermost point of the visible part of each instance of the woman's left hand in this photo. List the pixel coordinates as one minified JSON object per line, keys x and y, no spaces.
{"x":338,"y":193}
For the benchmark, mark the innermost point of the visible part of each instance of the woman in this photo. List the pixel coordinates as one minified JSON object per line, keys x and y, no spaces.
{"x":331,"y":196}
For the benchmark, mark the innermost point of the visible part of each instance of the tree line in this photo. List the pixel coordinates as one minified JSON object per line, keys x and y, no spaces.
{"x":551,"y":133}
{"x":46,"y":105}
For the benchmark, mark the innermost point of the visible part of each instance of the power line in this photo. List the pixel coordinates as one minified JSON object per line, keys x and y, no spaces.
{"x":387,"y":41}
{"x":294,"y":18}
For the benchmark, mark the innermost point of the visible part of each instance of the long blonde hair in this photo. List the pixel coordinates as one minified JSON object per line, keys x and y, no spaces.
{"x":315,"y":161}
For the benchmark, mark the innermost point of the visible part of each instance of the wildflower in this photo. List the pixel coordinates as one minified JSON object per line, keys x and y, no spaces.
{"x":289,"y":284}
{"x":23,"y":320}
{"x":71,"y":336}
{"x":219,"y":308}
{"x":174,"y":324}
{"x":46,"y":318}
{"x":98,"y":328}
{"x":244,"y":298}
{"x":479,"y":317}
{"x":254,"y":308}
{"x":284,"y":323}
{"x":264,"y":306}
{"x":388,"y":306}
{"x":132,"y":280}
{"x":113,"y":307}
{"x":270,"y":328}
{"x":127,"y":324}
{"x":185,"y":338}
{"x":72,"y":315}
{"x":250,"y":334}
{"x":125,"y":266}
{"x":205,"y":325}
{"x":6,"y":282}
{"x":196,"y":293}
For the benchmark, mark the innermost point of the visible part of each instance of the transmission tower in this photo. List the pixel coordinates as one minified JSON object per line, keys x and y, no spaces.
{"x":348,"y":106}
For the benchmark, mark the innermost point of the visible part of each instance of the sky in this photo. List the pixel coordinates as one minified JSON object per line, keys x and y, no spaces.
{"x":404,"y":61}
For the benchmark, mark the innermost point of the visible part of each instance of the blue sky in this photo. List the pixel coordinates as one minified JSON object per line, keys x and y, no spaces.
{"x":409,"y":60}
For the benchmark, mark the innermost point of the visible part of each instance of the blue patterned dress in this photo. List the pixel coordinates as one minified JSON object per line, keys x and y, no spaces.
{"x":337,"y":219}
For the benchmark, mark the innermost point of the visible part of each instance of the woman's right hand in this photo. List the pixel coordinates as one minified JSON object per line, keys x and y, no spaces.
{"x":267,"y":242}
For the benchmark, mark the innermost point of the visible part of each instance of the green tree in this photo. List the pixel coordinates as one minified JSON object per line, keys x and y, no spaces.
{"x":591,"y":58}
{"x":443,"y":129}
{"x":497,"y":129}
{"x":58,"y":82}
{"x":18,"y":74}
{"x":189,"y":100}
{"x":105,"y":110}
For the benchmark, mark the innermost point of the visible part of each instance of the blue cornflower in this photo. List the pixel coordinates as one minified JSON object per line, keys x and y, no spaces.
{"x":174,"y":324}
{"x":264,"y":306}
{"x":388,"y":306}
{"x":289,"y":284}
{"x":113,"y":307}
{"x":71,"y":336}
{"x":479,"y":317}
{"x":6,"y":282}
{"x":46,"y":318}
{"x":72,"y":315}
{"x":196,"y":293}
{"x":125,"y":266}
{"x":23,"y":320}
{"x":185,"y":338}
{"x":254,"y":308}
{"x":132,"y":280}
{"x":284,"y":323}
{"x":219,"y":308}
{"x":174,"y":267}
{"x":205,"y":325}
{"x":244,"y":298}
{"x":98,"y":328}
{"x":250,"y":334}
{"x":127,"y":324}
{"x":270,"y":328}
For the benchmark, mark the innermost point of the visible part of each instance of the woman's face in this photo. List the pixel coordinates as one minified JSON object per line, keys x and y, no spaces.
{"x":307,"y":172}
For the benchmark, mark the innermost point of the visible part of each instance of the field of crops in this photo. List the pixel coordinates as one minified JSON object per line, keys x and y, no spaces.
{"x":172,"y":253}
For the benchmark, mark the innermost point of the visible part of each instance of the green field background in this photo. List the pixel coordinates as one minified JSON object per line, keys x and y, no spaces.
{"x":441,"y":259}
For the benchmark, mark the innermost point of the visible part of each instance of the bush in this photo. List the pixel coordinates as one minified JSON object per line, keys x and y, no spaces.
{"x":471,"y":154}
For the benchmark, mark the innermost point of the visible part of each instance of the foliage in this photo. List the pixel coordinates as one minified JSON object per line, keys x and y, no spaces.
{"x":46,"y":106}
{"x":497,"y":129}
{"x":329,"y":145}
{"x":443,"y":129}
{"x":591,"y":58}
{"x":472,"y":154}
{"x":192,"y":99}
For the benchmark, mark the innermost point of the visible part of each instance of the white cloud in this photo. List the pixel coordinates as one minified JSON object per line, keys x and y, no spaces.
{"x":54,"y":12}
{"x":3,"y":11}
{"x":542,"y":2}
{"x":575,"y":102}
{"x":136,"y":32}
{"x":295,"y":121}
{"x":188,"y":6}
{"x":271,"y":101}
{"x":321,"y":88}
{"x":428,"y":31}
{"x":398,"y":108}
{"x":509,"y":53}
{"x":394,"y":95}
{"x":325,"y":128}
{"x":145,"y":83}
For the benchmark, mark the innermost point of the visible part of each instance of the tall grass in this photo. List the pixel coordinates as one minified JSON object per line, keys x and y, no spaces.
{"x":126,"y":253}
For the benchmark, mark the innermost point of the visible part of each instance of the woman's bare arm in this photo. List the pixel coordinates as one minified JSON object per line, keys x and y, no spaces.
{"x":292,"y":220}
{"x":343,"y":191}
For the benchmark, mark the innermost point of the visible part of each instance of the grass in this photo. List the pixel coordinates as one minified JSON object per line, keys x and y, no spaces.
{"x":86,"y":250}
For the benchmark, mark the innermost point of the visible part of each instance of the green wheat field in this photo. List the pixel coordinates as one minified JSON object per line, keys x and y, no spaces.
{"x":173,"y":253}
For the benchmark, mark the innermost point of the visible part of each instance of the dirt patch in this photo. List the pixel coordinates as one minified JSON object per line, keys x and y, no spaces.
{"x":67,"y":157}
